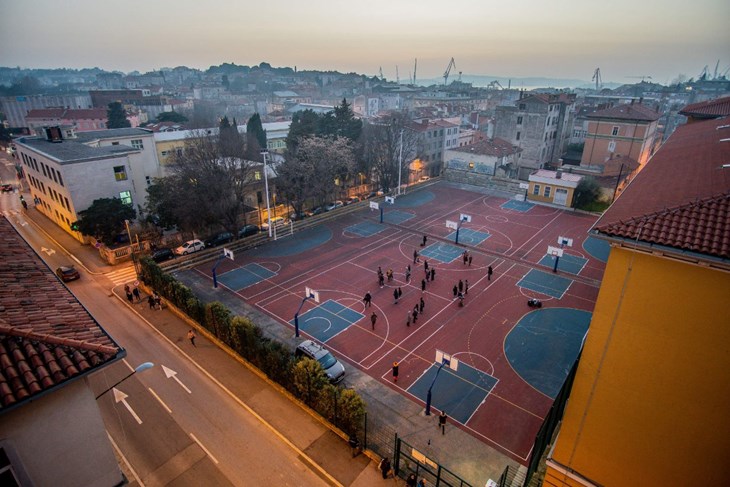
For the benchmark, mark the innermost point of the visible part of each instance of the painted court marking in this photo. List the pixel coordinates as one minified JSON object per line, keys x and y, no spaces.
{"x":365,"y":229}
{"x":243,"y":277}
{"x":442,"y":252}
{"x":567,"y":263}
{"x":467,"y":236}
{"x":545,"y":283}
{"x":517,"y":205}
{"x":327,"y":320}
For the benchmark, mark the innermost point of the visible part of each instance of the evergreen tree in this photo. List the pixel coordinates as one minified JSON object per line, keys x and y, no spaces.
{"x":304,"y":123}
{"x":104,"y":219}
{"x":116,"y":116}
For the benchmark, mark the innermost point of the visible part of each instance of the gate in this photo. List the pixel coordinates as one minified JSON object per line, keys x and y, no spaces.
{"x":408,"y":459}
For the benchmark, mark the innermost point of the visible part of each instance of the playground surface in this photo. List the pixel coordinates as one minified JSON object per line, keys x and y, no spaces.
{"x":512,"y":359}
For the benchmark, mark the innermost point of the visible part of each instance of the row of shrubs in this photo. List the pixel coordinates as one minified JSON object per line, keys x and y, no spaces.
{"x":304,"y":378}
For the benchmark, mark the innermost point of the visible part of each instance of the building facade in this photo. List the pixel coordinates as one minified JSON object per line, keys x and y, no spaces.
{"x":649,"y":404}
{"x":81,"y":119}
{"x":16,"y":108}
{"x":67,"y":173}
{"x":434,"y":138}
{"x":553,"y":187}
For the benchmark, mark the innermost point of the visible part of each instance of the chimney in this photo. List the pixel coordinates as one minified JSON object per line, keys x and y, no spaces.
{"x":641,"y":100}
{"x":558,"y":174}
{"x":632,"y":101}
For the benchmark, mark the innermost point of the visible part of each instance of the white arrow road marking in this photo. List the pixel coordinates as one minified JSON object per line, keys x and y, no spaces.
{"x":171,"y":373}
{"x":119,"y":396}
{"x":48,"y":251}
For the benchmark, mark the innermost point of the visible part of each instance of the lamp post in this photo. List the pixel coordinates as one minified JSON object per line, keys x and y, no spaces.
{"x":400,"y":161}
{"x":140,"y":368}
{"x":266,"y":185}
{"x":131,"y":246}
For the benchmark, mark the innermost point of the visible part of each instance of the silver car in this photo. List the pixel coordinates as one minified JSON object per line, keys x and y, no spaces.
{"x":332,"y":367}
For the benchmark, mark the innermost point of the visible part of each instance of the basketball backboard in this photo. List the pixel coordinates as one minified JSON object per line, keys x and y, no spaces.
{"x":447,"y":360}
{"x":311,"y":293}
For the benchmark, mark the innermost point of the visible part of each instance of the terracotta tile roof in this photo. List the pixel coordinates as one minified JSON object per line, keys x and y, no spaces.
{"x":719,"y":107}
{"x":46,"y":336}
{"x":68,"y":113}
{"x":702,"y":227}
{"x":682,"y":196}
{"x":627,"y":111}
{"x":489,"y":147}
{"x":45,"y":113}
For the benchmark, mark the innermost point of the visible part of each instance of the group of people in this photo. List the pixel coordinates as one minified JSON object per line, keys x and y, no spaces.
{"x":132,"y":294}
{"x":466,"y":256}
{"x":460,"y":290}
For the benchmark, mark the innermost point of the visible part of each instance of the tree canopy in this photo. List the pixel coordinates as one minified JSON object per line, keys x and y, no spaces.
{"x":171,"y":117}
{"x":104,"y":219}
{"x":587,"y":192}
{"x":116,"y":116}
{"x":382,"y":150}
{"x":255,"y":138}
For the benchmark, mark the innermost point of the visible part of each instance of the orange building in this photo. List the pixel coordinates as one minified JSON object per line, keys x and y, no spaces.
{"x":650,"y":404}
{"x":628,"y":130}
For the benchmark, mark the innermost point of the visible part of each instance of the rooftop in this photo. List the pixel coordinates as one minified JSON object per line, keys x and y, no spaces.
{"x":73,"y":150}
{"x":719,"y":107}
{"x":627,"y":111}
{"x":47,"y":337}
{"x":489,"y":147}
{"x":681,"y":199}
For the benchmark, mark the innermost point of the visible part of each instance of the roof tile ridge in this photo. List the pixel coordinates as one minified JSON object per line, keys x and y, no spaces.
{"x":55,"y":340}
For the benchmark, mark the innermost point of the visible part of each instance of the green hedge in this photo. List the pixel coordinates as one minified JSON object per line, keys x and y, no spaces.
{"x":304,"y":378}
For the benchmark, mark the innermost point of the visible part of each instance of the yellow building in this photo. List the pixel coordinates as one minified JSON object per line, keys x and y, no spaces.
{"x":650,"y":405}
{"x":554,"y":187}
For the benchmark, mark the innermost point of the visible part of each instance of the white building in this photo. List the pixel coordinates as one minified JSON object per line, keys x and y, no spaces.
{"x":68,"y":171}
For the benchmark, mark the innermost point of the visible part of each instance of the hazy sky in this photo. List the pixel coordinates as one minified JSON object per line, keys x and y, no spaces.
{"x":552,"y":38}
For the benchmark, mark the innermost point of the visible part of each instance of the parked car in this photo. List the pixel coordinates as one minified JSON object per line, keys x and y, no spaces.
{"x":352,"y":200}
{"x":189,"y":247}
{"x":319,"y":210}
{"x":161,"y":255}
{"x":67,"y":273}
{"x":7,"y":188}
{"x":294,"y":216}
{"x":332,"y":367}
{"x":277,"y":221}
{"x":218,"y":239}
{"x":424,"y":178}
{"x":247,"y":230}
{"x":333,"y":205}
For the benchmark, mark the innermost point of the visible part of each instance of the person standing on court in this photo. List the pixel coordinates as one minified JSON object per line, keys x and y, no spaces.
{"x":456,"y":290}
{"x":428,"y":276}
{"x":469,"y":260}
{"x":433,"y":273}
{"x":425,"y":265}
{"x":395,"y":371}
{"x":135,"y":291}
{"x":442,"y":422}
{"x":408,"y":273}
{"x":408,"y":321}
{"x":415,"y":314}
{"x":367,"y":299}
{"x":423,"y":244}
{"x":489,"y":273}
{"x":423,"y":284}
{"x":461,"y":286}
{"x":400,"y":293}
{"x":421,"y":305}
{"x":466,"y":286}
{"x":373,"y":319}
{"x":395,"y":295}
{"x":415,"y":256}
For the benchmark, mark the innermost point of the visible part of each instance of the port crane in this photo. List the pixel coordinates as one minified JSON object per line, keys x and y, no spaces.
{"x":452,"y":64}
{"x":597,"y":78}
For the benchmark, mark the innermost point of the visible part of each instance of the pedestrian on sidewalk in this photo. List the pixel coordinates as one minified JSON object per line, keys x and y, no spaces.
{"x":489,"y":273}
{"x":395,"y":371}
{"x":442,"y":422}
{"x":158,"y":301}
{"x":456,"y":291}
{"x":367,"y":299}
{"x":421,"y":483}
{"x":433,"y":273}
{"x":128,"y":292}
{"x":384,"y":467}
{"x":423,"y":285}
{"x":421,"y":305}
{"x":151,"y":301}
{"x":191,"y":337}
{"x":466,"y":286}
{"x":373,"y":319}
{"x":135,"y":291}
{"x":411,"y":480}
{"x":395,"y":295}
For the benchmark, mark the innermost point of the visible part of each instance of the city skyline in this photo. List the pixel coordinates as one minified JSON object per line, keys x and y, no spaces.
{"x":653,"y":39}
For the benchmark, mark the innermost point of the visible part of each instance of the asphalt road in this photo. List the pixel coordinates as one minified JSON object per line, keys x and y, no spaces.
{"x":173,"y":424}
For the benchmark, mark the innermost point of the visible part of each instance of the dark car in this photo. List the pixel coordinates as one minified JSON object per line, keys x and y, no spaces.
{"x":319,"y":210}
{"x":219,"y":239}
{"x":161,"y":255}
{"x":297,"y":216}
{"x":67,"y":273}
{"x":7,"y":188}
{"x":247,"y":230}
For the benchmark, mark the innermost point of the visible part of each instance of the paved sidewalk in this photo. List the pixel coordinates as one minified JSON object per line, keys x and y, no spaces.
{"x":474,"y":461}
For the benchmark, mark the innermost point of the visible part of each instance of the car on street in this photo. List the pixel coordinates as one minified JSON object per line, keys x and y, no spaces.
{"x":294,"y":216}
{"x":161,"y":255}
{"x":333,"y":205}
{"x":332,"y":367}
{"x":352,"y":200}
{"x":7,"y":188}
{"x":424,"y":178}
{"x":248,"y":230}
{"x":67,"y":273}
{"x":319,"y":210}
{"x":189,"y":247}
{"x":218,"y":239}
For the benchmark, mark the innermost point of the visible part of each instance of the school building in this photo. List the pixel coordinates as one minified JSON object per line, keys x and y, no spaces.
{"x":553,"y":187}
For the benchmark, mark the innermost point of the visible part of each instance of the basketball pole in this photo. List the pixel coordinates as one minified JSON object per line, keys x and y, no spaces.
{"x":428,"y":395}
{"x":296,"y":315}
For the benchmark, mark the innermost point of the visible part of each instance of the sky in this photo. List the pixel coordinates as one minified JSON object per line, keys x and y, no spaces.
{"x":545,"y":38}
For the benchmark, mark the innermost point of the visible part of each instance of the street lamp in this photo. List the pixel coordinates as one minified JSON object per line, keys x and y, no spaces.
{"x":140,"y":368}
{"x":266,"y":185}
{"x":400,"y":161}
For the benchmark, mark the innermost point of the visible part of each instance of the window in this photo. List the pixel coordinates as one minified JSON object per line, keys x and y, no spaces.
{"x":120,"y":173}
{"x":164,"y":153}
{"x":518,"y":136}
{"x":536,"y":189}
{"x":60,"y":179}
{"x":519,"y":120}
{"x":546,"y":193}
{"x":43,"y":166}
{"x":67,"y":205}
{"x":614,"y":131}
{"x":257,"y":175}
{"x":126,"y":197}
{"x":53,"y":171}
{"x":137,"y":144}
{"x":612,"y":146}
{"x":115,"y":143}
{"x":523,"y":106}
{"x":148,"y":180}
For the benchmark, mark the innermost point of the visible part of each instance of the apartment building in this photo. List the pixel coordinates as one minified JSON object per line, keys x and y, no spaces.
{"x":16,"y":108}
{"x":67,"y":171}
{"x":434,"y":138}
{"x":541,"y":125}
{"x":81,"y":119}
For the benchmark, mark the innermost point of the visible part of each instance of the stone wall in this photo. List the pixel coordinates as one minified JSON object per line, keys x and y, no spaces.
{"x":483,"y":180}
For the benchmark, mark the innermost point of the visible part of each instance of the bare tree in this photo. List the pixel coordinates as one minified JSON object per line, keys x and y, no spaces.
{"x":382,"y":149}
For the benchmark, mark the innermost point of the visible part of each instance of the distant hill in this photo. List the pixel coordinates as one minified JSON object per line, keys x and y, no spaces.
{"x":516,"y":83}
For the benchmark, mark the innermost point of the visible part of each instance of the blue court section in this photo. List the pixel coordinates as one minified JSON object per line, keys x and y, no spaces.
{"x":245,"y":276}
{"x":298,"y":243}
{"x":396,"y":217}
{"x":442,"y":252}
{"x":567,"y":263}
{"x":544,"y":344}
{"x":327,"y":320}
{"x":546,"y":283}
{"x":598,"y":248}
{"x":365,"y":229}
{"x":459,"y":393}
{"x":467,"y":236}
{"x":517,"y":205}
{"x":411,"y":200}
